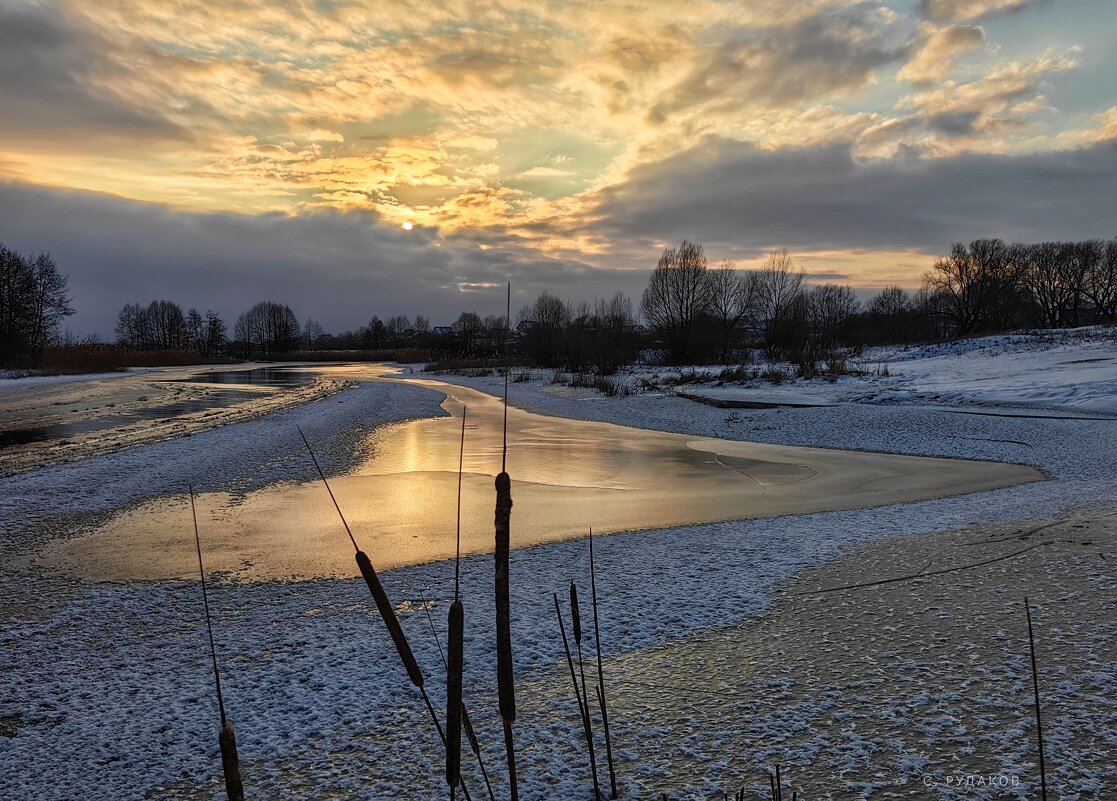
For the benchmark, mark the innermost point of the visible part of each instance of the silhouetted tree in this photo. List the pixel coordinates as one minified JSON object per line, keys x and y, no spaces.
{"x":781,"y":289}
{"x":34,"y":299}
{"x":735,"y":297}
{"x":679,"y":293}
{"x":468,"y":327}
{"x":373,"y":334}
{"x":267,"y":327}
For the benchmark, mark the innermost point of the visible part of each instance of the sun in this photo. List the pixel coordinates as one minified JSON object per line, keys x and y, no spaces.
{"x":407,"y":226}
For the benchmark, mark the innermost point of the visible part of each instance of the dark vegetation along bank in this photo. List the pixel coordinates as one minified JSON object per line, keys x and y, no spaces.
{"x":691,"y":312}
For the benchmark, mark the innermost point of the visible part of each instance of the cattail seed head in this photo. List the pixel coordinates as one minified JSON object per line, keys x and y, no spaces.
{"x":575,"y":613}
{"x":230,"y":763}
{"x":454,"y":667}
{"x":388,"y":613}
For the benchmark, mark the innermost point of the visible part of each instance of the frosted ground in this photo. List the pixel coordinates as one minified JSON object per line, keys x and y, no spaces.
{"x":107,"y":687}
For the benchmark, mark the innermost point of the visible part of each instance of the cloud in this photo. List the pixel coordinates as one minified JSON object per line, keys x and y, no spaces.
{"x":966,"y":10}
{"x":832,"y":51}
{"x":545,"y":172}
{"x":338,"y":267}
{"x":993,"y":112}
{"x":730,"y":195}
{"x":936,"y":50}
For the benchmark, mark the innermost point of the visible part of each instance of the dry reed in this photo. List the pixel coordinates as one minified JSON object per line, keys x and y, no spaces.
{"x":455,"y":646}
{"x":226,"y":738}
{"x":576,"y":615}
{"x":601,"y":674}
{"x":1035,"y":691}
{"x":582,"y":710}
{"x":506,"y":688}
{"x":467,"y":725}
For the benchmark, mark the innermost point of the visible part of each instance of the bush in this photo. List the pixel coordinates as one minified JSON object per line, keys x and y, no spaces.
{"x":774,"y":375}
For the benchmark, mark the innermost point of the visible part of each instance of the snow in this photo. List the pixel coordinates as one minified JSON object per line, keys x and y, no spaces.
{"x":109,"y":686}
{"x":1068,"y":371}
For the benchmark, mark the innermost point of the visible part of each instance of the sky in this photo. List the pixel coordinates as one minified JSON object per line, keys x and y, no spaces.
{"x":361,"y":157}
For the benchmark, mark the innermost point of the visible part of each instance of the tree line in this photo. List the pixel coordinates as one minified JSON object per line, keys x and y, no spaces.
{"x":990,"y":285}
{"x":690,"y":312}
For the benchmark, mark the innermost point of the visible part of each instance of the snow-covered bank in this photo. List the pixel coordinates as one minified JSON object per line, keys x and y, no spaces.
{"x":1060,"y":370}
{"x":109,"y":697}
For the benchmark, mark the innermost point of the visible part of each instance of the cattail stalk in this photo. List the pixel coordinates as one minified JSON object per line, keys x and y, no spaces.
{"x":1035,"y":691}
{"x":601,"y":674}
{"x":387,"y":611}
{"x":575,"y":611}
{"x":467,"y":725}
{"x":226,"y":738}
{"x":582,"y":710}
{"x":456,"y":648}
{"x":506,"y":688}
{"x":454,"y":695}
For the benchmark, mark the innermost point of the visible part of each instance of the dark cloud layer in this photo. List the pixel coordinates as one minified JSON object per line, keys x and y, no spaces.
{"x":338,"y":267}
{"x":730,"y":194}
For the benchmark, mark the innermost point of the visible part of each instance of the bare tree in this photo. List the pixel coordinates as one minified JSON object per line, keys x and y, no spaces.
{"x":215,"y":334}
{"x":895,"y":308}
{"x":422,"y":329}
{"x":544,"y":324}
{"x":677,"y":296}
{"x":976,"y":288}
{"x":195,"y":332}
{"x":735,"y":297}
{"x":781,"y":289}
{"x":34,"y":299}
{"x":1100,"y":283}
{"x":468,"y":327}
{"x":166,"y":325}
{"x":131,"y":326}
{"x":611,"y":342}
{"x":312,"y":333}
{"x":397,"y":326}
{"x":830,"y":310}
{"x":268,"y":327}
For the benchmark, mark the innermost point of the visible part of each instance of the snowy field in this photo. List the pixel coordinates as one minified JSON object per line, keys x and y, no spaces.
{"x":107,"y":687}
